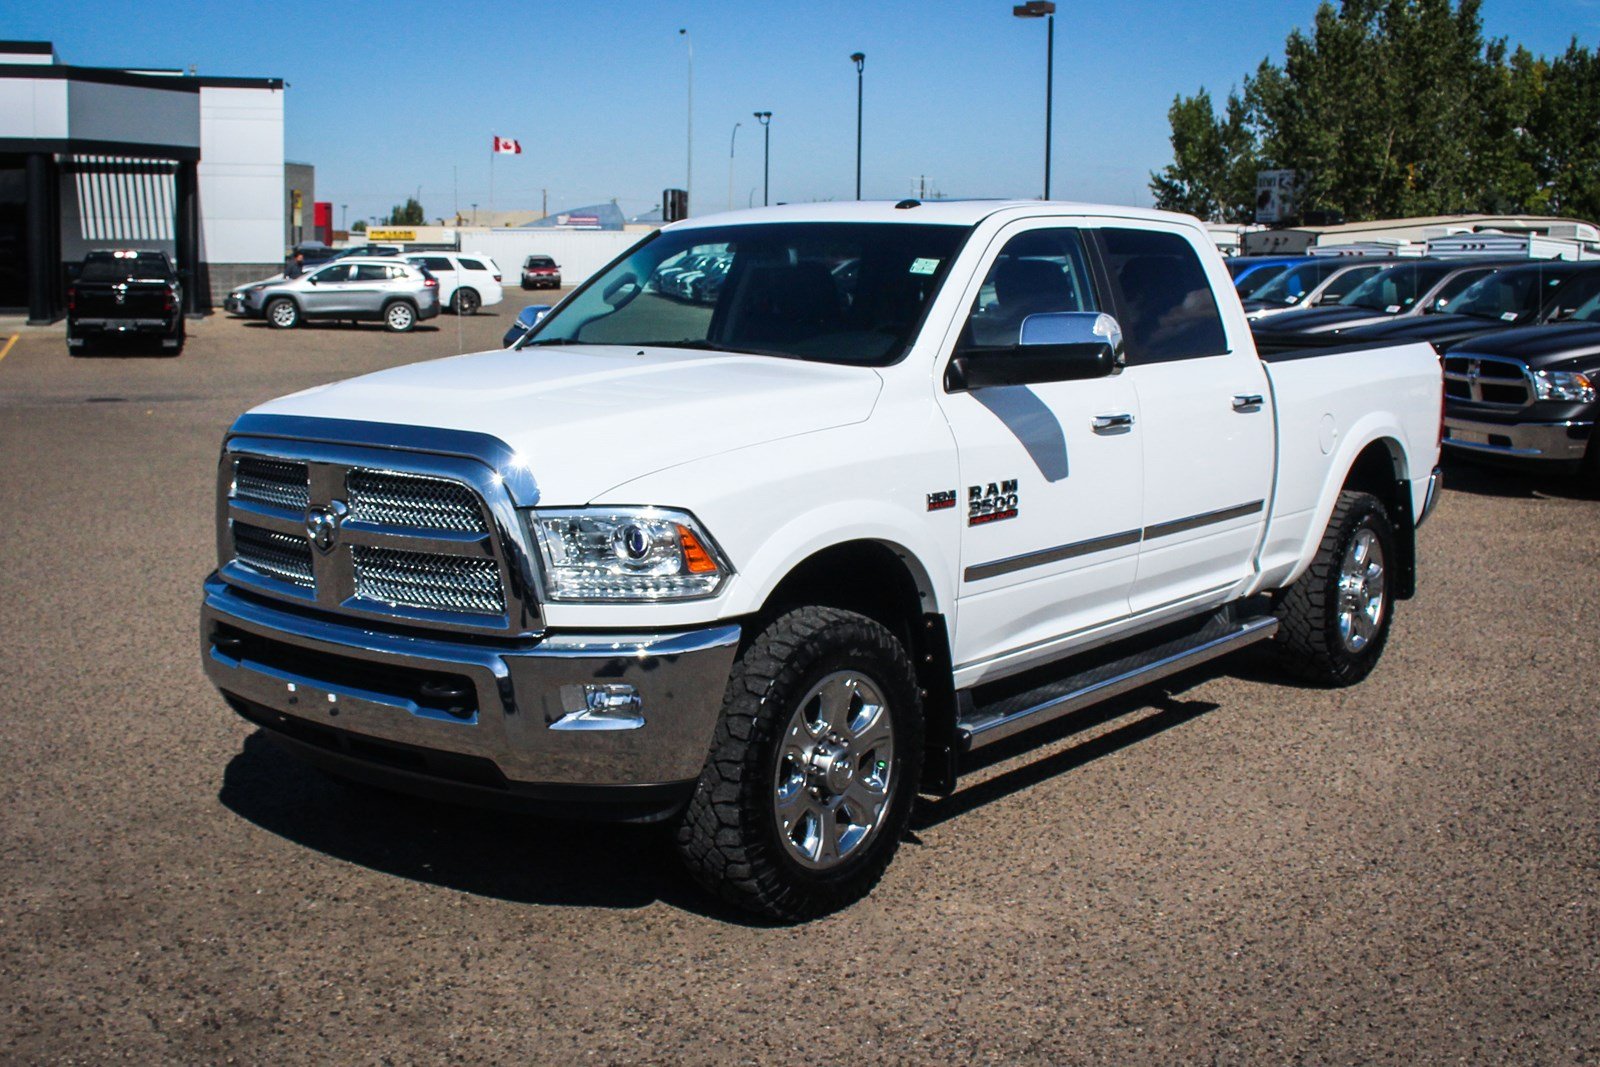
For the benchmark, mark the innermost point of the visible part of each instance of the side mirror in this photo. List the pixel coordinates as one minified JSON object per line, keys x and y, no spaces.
{"x":1055,"y":347}
{"x":527,"y":319}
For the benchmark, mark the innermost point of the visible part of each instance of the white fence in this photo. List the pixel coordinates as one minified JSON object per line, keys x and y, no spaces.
{"x":580,"y":253}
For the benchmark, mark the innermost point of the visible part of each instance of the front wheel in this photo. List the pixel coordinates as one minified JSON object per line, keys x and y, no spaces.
{"x":1334,"y":620}
{"x":813,"y":769}
{"x":283,"y":314}
{"x":399,"y":317}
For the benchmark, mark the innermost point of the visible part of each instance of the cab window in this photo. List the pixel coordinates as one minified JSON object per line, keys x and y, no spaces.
{"x":1037,"y":272}
{"x":472,"y":264}
{"x":1168,"y":309}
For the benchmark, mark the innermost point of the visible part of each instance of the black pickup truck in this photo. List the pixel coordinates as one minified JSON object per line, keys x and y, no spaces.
{"x":125,"y":294}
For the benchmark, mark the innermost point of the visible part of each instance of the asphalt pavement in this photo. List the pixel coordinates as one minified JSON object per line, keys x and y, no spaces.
{"x":1226,"y":869}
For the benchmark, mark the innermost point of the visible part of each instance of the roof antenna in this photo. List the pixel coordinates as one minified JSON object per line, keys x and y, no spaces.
{"x":908,"y":203}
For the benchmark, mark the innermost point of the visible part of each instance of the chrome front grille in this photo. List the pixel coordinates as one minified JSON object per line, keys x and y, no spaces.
{"x":273,"y":482}
{"x":427,"y":580}
{"x":1495,"y":380}
{"x":389,"y":498}
{"x":273,"y":553}
{"x":436,"y":542}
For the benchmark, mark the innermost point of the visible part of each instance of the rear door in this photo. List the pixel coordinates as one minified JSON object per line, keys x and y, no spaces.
{"x":1050,"y":473}
{"x":1205,"y":416}
{"x":370,"y":286}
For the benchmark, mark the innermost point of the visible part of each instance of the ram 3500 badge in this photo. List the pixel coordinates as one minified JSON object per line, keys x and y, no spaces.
{"x":706,"y":562}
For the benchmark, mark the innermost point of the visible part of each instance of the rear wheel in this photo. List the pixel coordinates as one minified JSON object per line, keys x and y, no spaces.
{"x":399,"y":317}
{"x":466,"y":301}
{"x":813,"y":769}
{"x":1334,"y":620}
{"x":283,"y":314}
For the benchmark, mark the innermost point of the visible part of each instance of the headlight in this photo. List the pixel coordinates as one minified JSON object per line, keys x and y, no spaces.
{"x":1563,"y":385}
{"x":640,"y":554}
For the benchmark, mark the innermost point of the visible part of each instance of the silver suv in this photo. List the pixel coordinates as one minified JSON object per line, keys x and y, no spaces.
{"x":390,"y":291}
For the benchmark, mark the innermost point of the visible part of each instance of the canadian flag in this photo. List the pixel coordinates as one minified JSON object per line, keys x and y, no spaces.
{"x":509,"y":147}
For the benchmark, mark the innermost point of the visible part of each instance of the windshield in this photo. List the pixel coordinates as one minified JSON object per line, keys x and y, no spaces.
{"x":1589,"y":312}
{"x":1292,"y":285}
{"x":125,"y":267}
{"x":822,"y":291}
{"x":1507,"y":296}
{"x":1396,"y":289}
{"x":1252,"y":283}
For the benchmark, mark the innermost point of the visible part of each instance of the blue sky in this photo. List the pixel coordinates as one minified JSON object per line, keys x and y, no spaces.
{"x":386,"y":98}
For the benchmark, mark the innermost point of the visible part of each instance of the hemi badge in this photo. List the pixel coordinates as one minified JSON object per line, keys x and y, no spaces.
{"x":943,"y":500}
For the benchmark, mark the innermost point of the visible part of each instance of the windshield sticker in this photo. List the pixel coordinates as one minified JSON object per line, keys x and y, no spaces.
{"x":943,"y":500}
{"x":1392,"y":308}
{"x":1508,"y":316}
{"x":922,"y":265}
{"x":992,"y":502}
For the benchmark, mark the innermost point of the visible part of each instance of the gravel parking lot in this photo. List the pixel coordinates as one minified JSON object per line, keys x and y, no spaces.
{"x":1225,"y":869}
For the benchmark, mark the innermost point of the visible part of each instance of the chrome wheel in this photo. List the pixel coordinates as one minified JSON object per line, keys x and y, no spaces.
{"x":831,"y":785}
{"x":1361,"y":600}
{"x":399,"y":317}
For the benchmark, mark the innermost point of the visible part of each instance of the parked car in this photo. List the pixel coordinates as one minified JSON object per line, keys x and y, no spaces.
{"x":1527,"y":396}
{"x":1319,"y":280}
{"x":1522,"y":295}
{"x":541,"y":272}
{"x":125,"y":293}
{"x":1250,"y":273}
{"x":1405,"y":290}
{"x":766,"y":575}
{"x":367,"y":251}
{"x":390,"y":291}
{"x":466,"y":282}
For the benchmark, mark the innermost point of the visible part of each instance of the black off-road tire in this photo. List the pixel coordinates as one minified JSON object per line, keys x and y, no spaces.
{"x":728,"y":836}
{"x":1309,"y":644}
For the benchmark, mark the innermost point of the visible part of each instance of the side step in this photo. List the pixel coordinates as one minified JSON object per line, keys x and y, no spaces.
{"x":1007,"y":713}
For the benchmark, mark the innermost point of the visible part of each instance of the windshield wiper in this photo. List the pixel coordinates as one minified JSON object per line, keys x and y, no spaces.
{"x":554,"y":341}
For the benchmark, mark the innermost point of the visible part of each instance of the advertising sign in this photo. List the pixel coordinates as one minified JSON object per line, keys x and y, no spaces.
{"x":1275,"y":195}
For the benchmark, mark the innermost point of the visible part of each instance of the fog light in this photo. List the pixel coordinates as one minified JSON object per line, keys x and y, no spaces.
{"x":604,"y":706}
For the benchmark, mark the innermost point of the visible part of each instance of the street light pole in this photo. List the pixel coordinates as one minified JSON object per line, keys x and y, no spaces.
{"x":344,"y":217}
{"x":1047,"y":10}
{"x":733,"y":139}
{"x":688,"y":184}
{"x":765,"y":118}
{"x":860,"y":60}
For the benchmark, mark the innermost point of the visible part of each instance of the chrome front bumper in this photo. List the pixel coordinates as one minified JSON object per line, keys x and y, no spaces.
{"x":1522,"y":440}
{"x":518,"y":706}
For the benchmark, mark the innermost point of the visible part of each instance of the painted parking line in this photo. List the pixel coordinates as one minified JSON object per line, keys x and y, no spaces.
{"x":4,"y":349}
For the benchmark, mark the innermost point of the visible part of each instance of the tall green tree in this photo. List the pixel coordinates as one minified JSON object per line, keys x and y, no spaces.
{"x":408,"y":214}
{"x":1392,"y":108}
{"x":1213,"y":169}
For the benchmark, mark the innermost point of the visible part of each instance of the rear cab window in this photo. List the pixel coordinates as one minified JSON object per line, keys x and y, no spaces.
{"x":1167,"y":309}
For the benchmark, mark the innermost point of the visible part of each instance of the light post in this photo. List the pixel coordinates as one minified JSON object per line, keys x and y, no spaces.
{"x":860,"y":60}
{"x":1044,"y":9}
{"x":688,"y":183}
{"x":474,"y":212}
{"x":733,"y":139}
{"x":344,"y":217}
{"x":765,"y":118}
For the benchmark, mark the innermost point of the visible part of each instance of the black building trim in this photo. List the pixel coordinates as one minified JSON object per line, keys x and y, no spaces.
{"x":81,"y":147}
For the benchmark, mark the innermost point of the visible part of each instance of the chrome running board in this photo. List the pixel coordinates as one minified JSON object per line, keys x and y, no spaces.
{"x":981,"y":724}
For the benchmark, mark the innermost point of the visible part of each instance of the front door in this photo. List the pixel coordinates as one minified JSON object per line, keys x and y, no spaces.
{"x":326,"y":292}
{"x":1050,"y":472}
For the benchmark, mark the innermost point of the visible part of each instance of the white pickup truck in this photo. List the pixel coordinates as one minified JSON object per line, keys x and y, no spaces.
{"x":922,"y":476}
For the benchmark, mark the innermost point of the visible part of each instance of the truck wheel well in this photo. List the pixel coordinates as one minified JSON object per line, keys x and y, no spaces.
{"x":1380,"y":470}
{"x":884,"y":583}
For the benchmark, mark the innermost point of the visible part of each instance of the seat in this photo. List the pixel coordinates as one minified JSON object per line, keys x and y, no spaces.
{"x":782,"y":303}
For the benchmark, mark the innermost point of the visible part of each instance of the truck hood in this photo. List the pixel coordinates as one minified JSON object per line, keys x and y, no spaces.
{"x":1440,"y":329}
{"x":1541,"y":347}
{"x":587,"y":418}
{"x":1321,"y":319}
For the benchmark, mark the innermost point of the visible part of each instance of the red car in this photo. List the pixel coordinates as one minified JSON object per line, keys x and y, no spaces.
{"x":541,"y":272}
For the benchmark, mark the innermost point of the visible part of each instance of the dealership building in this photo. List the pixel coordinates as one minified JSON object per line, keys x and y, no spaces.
{"x":96,"y":157}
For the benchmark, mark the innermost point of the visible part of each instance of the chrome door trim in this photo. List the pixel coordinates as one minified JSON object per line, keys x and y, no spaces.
{"x":979,"y":571}
{"x":1205,"y":518}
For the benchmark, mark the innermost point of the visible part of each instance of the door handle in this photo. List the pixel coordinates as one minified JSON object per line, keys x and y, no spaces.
{"x":1113,"y":423}
{"x":1247,"y":402}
